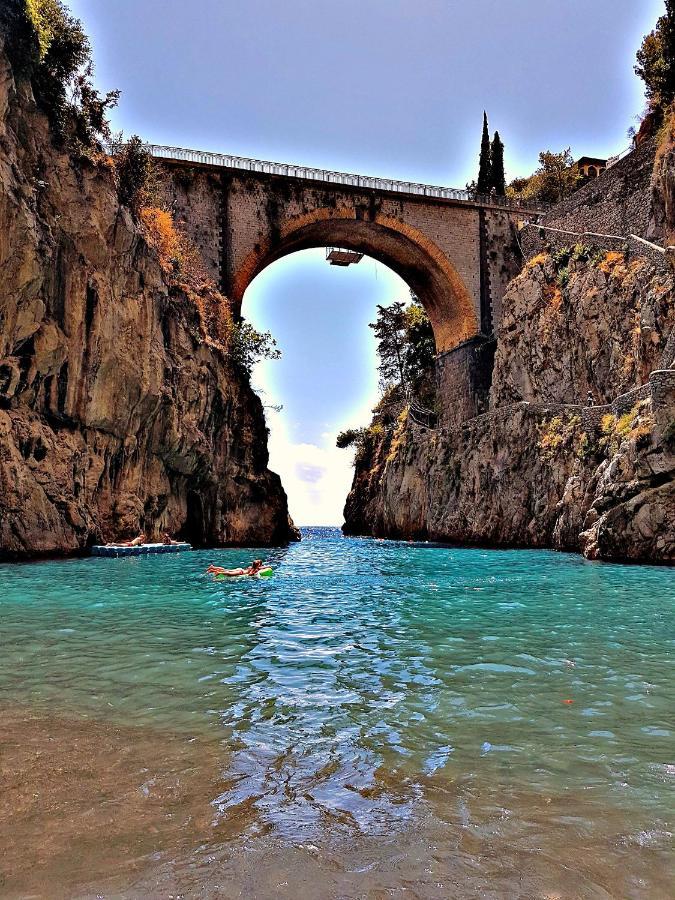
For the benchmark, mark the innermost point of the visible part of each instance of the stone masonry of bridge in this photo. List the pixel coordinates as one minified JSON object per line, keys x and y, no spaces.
{"x":457,"y":255}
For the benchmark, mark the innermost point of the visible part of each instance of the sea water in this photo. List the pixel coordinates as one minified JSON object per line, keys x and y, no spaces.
{"x":377,"y":719}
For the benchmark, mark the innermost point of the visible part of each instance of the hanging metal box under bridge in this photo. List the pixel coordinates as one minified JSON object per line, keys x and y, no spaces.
{"x":338,"y":257}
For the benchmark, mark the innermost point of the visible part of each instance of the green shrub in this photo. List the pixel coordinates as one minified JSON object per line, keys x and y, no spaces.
{"x":136,"y":174}
{"x":656,"y":60}
{"x":62,"y":74}
{"x":349,"y":437}
{"x":247,"y":346}
{"x":563,"y":277}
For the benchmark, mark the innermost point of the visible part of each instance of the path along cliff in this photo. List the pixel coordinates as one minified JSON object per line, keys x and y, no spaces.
{"x":541,"y":468}
{"x":120,"y":410}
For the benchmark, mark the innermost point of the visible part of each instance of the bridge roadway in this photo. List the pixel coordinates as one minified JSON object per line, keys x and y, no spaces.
{"x":327,"y":176}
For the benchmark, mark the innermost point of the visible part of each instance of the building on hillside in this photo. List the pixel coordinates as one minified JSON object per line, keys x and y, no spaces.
{"x":591,"y":166}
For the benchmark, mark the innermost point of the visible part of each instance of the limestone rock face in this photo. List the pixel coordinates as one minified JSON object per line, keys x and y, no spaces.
{"x":597,"y":325}
{"x":116,"y":412}
{"x":526,"y":476}
{"x":483,"y":483}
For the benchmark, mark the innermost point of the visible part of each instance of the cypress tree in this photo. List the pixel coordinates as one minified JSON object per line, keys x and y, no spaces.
{"x":485,"y":164}
{"x":497,"y":176}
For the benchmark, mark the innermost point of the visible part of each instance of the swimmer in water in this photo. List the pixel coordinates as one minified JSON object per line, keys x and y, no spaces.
{"x":253,"y":569}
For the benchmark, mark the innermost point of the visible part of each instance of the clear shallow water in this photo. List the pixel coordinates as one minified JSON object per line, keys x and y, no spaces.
{"x":378,"y":719}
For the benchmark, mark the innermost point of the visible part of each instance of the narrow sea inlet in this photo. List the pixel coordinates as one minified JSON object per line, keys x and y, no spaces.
{"x":378,"y":719}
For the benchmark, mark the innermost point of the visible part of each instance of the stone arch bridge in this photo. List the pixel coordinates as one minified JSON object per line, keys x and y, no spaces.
{"x":456,"y":251}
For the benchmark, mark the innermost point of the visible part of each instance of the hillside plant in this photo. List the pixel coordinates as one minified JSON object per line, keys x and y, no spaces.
{"x":247,"y":346}
{"x":656,"y":60}
{"x":555,"y":179}
{"x":405,"y":344}
{"x":407,"y":351}
{"x":349,"y":437}
{"x":137,"y":178}
{"x":491,"y":177}
{"x":183,"y":267}
{"x":58,"y":59}
{"x":497,"y":176}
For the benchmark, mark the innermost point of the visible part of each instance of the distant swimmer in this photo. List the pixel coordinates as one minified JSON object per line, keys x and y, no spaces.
{"x":255,"y":567}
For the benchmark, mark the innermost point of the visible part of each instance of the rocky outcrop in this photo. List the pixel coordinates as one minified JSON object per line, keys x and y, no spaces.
{"x":597,"y":324}
{"x":541,"y":469}
{"x":117,"y":411}
{"x":529,"y":475}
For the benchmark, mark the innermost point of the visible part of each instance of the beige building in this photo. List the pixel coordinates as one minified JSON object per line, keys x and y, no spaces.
{"x":591,"y":166}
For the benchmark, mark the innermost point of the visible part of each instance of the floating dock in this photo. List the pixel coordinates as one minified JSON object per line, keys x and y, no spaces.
{"x":141,"y":550}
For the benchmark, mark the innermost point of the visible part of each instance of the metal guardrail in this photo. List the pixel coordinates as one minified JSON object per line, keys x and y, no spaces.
{"x":594,"y":234}
{"x":613,"y":160}
{"x":288,"y":170}
{"x":422,"y":416}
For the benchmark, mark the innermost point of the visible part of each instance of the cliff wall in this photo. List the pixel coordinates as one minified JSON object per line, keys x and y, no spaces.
{"x":599,"y":481}
{"x":599,"y":323}
{"x":118,"y":412}
{"x":541,"y":468}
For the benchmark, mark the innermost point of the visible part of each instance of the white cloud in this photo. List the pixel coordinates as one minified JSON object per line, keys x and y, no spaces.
{"x":316,"y":478}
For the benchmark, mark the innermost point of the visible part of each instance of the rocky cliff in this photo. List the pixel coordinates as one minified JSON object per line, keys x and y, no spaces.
{"x":532,"y":475}
{"x":117,"y":410}
{"x":541,"y":468}
{"x":582,"y":321}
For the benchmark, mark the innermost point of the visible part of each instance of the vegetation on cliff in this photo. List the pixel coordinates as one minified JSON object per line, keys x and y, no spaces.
{"x":406,"y":351}
{"x":139,"y":188}
{"x":405,"y":345}
{"x":49,"y":45}
{"x":656,"y":60}
{"x":555,"y":179}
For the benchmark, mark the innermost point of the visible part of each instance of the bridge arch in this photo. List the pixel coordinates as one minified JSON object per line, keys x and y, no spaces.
{"x":398,"y":245}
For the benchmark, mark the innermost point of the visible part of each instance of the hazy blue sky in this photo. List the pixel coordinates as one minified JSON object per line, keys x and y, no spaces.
{"x":384,"y":87}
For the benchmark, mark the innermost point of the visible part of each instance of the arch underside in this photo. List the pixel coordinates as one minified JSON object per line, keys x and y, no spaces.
{"x":410,"y":254}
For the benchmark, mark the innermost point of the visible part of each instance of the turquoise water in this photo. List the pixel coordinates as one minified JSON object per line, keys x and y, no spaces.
{"x":370,"y":689}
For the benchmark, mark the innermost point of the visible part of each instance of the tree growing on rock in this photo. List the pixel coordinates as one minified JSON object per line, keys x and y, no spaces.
{"x":136,"y":175}
{"x":61,"y":71}
{"x":656,"y":60}
{"x":405,"y":344}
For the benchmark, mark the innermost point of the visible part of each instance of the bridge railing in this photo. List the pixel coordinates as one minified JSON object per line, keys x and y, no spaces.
{"x":288,"y":170}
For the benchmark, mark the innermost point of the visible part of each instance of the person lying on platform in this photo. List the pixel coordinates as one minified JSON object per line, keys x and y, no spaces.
{"x":167,"y":539}
{"x":134,"y":542}
{"x":253,"y":569}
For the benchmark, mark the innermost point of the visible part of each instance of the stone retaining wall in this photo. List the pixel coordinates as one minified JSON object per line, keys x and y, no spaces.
{"x":463,"y":379}
{"x":618,"y":202}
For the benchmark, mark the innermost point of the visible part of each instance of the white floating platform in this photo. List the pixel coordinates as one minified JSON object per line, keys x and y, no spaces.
{"x":141,"y":550}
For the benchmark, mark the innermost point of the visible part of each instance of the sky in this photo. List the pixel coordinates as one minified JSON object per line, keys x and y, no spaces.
{"x":393,"y":88}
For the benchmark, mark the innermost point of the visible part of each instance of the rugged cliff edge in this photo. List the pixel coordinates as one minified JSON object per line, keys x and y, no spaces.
{"x":542,"y":468}
{"x":117,"y":413}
